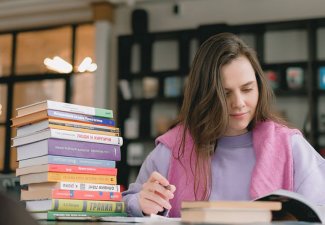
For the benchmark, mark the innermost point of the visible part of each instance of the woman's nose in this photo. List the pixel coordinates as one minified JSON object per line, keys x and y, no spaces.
{"x":238,"y":101}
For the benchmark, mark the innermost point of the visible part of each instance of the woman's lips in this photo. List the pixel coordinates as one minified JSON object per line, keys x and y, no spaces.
{"x":238,"y":115}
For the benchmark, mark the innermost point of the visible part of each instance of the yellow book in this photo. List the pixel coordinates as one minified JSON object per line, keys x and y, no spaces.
{"x":68,"y":177}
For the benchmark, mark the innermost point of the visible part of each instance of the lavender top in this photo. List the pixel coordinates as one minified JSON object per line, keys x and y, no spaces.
{"x":232,"y":166}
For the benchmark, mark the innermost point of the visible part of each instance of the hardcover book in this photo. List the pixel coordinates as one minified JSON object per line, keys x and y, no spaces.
{"x":56,"y":215}
{"x":69,"y":148}
{"x":70,"y":194}
{"x":74,"y":205}
{"x":61,"y":168}
{"x":62,"y":106}
{"x":228,"y":212}
{"x":67,"y":125}
{"x":45,"y":114}
{"x":74,"y":186}
{"x":54,"y":159}
{"x":69,"y":177}
{"x":67,"y":135}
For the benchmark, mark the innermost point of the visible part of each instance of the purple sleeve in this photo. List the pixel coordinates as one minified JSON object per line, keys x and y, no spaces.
{"x":309,"y":170}
{"x":158,"y":160}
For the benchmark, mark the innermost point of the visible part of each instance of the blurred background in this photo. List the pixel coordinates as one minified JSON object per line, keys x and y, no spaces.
{"x":133,"y":56}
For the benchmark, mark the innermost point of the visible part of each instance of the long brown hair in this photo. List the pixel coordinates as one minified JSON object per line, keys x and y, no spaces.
{"x":204,"y":111}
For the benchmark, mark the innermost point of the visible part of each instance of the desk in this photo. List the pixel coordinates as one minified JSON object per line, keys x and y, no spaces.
{"x":161,"y":223}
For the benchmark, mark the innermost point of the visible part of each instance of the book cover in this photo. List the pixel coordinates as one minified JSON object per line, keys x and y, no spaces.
{"x":69,"y":177}
{"x":61,"y":168}
{"x":295,"y":207}
{"x":74,"y":186}
{"x":56,"y":215}
{"x":70,"y":194}
{"x":225,"y":215}
{"x":42,"y":115}
{"x":67,"y":135}
{"x":54,"y":159}
{"x":69,"y":148}
{"x":62,"y":106}
{"x":65,"y":125}
{"x":74,"y":205}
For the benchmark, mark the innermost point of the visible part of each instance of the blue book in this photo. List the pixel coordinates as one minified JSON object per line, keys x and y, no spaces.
{"x":54,"y":159}
{"x":81,"y":117}
{"x":322,"y":78}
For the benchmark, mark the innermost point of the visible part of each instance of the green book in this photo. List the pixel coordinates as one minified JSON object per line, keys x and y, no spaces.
{"x":55,"y":215}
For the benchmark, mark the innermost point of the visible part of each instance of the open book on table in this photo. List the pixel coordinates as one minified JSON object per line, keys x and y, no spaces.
{"x":295,"y":207}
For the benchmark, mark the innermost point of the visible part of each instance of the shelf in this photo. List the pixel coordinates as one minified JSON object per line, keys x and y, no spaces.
{"x":151,"y":100}
{"x":256,"y":35}
{"x":161,"y":74}
{"x":291,"y":93}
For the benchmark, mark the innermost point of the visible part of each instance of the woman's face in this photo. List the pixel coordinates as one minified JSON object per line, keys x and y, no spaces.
{"x":240,"y":85}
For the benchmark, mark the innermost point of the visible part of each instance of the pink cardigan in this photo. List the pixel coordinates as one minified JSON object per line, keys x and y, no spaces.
{"x":273,"y":169}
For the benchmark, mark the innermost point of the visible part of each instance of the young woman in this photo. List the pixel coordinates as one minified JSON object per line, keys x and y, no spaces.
{"x":228,"y":144}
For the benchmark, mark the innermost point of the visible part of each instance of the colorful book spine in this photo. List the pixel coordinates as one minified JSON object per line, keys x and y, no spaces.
{"x":61,"y":168}
{"x":67,"y":135}
{"x":69,"y":177}
{"x":80,"y":117}
{"x":55,"y":215}
{"x":87,"y":205}
{"x":80,"y":109}
{"x":72,"y":149}
{"x":54,"y":159}
{"x":86,"y":195}
{"x":76,"y":186}
{"x":68,"y":107}
{"x":78,"y":129}
{"x":82,"y":169}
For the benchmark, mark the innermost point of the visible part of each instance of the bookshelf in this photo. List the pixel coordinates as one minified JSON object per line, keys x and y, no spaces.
{"x":292,"y":51}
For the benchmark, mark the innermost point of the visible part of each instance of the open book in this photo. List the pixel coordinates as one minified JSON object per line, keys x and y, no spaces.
{"x":295,"y":207}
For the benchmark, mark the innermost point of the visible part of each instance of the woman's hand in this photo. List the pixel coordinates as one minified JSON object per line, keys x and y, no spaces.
{"x":155,"y":194}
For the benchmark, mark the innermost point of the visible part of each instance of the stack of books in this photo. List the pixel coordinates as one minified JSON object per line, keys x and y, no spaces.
{"x":67,"y":157}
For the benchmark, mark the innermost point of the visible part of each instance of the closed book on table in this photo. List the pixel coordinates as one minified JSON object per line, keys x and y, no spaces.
{"x":74,"y":205}
{"x":70,"y":194}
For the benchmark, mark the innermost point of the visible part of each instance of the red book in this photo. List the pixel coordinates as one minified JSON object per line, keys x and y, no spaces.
{"x":61,"y":168}
{"x":70,"y":194}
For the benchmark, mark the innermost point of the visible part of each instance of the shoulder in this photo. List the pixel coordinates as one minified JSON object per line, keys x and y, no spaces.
{"x":171,"y":137}
{"x":270,"y":126}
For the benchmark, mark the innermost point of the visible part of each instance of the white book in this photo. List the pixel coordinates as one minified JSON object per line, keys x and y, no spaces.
{"x":75,"y":186}
{"x":67,"y":135}
{"x":62,"y":106}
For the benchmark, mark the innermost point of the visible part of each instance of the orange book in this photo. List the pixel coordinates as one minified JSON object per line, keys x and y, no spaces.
{"x":68,"y":177}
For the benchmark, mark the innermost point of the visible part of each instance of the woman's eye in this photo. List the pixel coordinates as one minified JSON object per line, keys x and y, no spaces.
{"x":247,"y":89}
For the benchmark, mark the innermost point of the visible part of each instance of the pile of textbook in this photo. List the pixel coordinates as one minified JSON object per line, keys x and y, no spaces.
{"x":67,"y":155}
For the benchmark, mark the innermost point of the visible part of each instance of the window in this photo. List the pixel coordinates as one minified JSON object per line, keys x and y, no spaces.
{"x":25,"y":79}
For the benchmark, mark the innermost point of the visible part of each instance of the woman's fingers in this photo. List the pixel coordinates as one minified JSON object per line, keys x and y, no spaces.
{"x":156,"y":199}
{"x":155,"y":194}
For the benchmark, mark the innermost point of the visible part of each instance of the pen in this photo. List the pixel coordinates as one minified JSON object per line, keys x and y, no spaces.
{"x":168,"y":187}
